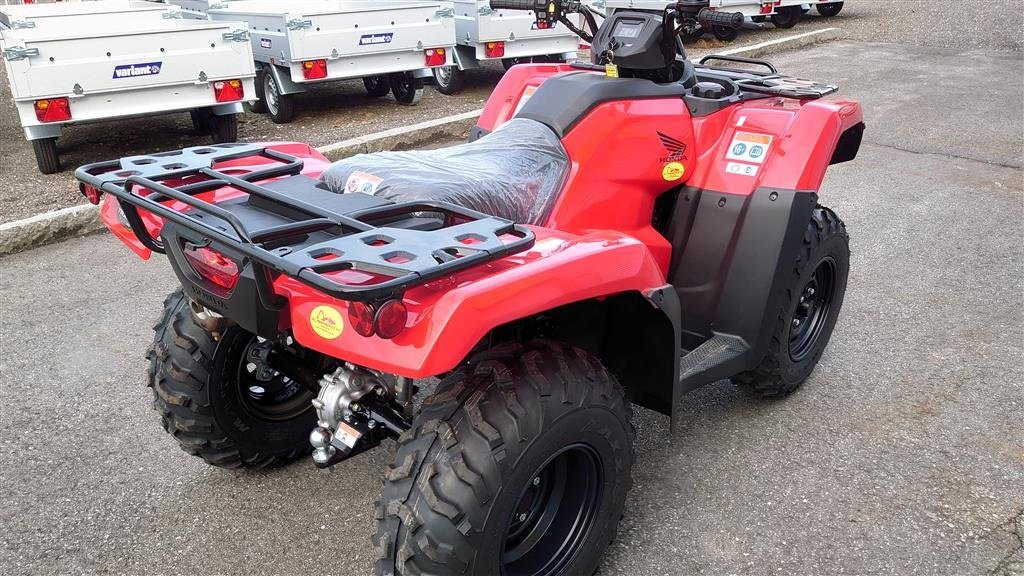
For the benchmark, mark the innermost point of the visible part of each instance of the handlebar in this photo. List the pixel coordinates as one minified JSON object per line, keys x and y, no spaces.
{"x":517,"y":5}
{"x":708,"y":18}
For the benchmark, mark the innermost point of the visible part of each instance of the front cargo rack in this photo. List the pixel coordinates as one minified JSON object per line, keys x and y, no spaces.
{"x":275,"y":230}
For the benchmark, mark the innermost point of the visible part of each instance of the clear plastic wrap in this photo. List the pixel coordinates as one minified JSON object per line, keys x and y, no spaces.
{"x":515,"y":172}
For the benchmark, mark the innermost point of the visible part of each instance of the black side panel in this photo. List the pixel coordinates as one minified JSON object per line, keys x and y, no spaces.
{"x":561,"y":101}
{"x":848,"y":145}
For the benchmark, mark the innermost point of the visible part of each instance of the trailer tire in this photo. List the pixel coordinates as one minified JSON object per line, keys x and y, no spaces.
{"x":787,"y":17}
{"x":812,"y":300}
{"x":280,"y":107}
{"x":257,"y":106}
{"x":377,"y":86}
{"x":224,"y":128}
{"x":449,"y":79}
{"x":724,"y":33}
{"x":508,"y":63}
{"x":830,"y":9}
{"x":196,"y":390}
{"x":406,"y":88}
{"x":47,"y":157}
{"x":693,"y":35}
{"x":525,"y":451}
{"x":200,"y":119}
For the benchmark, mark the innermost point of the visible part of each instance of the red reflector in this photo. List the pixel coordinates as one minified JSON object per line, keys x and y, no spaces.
{"x":53,"y":110}
{"x":360,"y":316}
{"x":314,"y":69}
{"x":436,"y":56}
{"x":213,"y":266}
{"x":91,"y":194}
{"x":228,"y":90}
{"x":766,"y":8}
{"x":390,"y":320}
{"x":494,"y":49}
{"x":543,"y":24}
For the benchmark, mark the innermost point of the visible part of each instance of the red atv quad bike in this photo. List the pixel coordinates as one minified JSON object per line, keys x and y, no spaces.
{"x":618,"y":232}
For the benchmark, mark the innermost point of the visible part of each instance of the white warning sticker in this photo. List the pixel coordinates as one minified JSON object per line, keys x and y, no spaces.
{"x":741,"y":169}
{"x":749,"y":147}
{"x":362,"y":182}
{"x":347,"y":435}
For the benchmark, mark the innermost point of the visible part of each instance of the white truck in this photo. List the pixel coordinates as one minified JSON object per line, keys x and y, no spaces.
{"x":112,"y":59}
{"x":511,"y":36}
{"x":391,"y":45}
{"x":781,"y":13}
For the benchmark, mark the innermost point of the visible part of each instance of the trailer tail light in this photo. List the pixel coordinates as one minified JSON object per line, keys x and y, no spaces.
{"x":360,"y":316}
{"x":314,"y":69}
{"x":213,"y":266}
{"x":543,"y":25}
{"x":494,"y":49}
{"x":91,"y":193}
{"x":769,"y":7}
{"x":390,"y":319}
{"x":436,"y":56}
{"x":53,"y":110}
{"x":228,"y":90}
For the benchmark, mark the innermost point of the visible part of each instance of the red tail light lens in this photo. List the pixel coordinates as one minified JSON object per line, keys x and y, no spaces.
{"x":360,"y":316}
{"x":543,"y":24}
{"x":91,"y":194}
{"x":228,"y":90}
{"x":53,"y":110}
{"x":213,"y":266}
{"x":436,"y":56}
{"x":314,"y":69}
{"x":390,"y":319}
{"x":494,"y":49}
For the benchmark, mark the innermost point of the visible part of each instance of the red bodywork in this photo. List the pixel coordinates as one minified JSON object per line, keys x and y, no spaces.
{"x":598,"y":240}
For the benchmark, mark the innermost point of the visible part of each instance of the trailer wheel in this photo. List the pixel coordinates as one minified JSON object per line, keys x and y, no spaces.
{"x":224,"y":128}
{"x":201,"y":119}
{"x":47,"y":157}
{"x":406,"y":89}
{"x":830,"y":9}
{"x":693,"y":35}
{"x":787,"y":17}
{"x":519,"y":463}
{"x":280,"y":107}
{"x":377,"y":86}
{"x":257,"y":106}
{"x":809,"y":311}
{"x":724,"y":33}
{"x":510,"y":62}
{"x":448,"y":79}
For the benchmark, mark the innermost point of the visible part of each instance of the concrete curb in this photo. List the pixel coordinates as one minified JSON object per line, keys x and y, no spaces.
{"x":50,"y":227}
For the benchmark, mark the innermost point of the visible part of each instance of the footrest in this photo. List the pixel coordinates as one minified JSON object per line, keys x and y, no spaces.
{"x":720,"y":357}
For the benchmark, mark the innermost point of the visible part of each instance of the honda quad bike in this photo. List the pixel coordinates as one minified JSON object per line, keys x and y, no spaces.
{"x":618,"y":232}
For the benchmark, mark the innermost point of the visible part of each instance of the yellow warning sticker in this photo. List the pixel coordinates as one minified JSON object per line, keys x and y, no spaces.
{"x":611,"y":70}
{"x":672,"y":171}
{"x":326,"y":322}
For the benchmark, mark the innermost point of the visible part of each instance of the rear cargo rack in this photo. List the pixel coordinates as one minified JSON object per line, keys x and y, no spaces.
{"x":310,"y":241}
{"x":770,"y":83}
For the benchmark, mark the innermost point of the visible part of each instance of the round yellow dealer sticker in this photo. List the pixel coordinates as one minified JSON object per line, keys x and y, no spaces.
{"x":672,"y":171}
{"x":326,"y":322}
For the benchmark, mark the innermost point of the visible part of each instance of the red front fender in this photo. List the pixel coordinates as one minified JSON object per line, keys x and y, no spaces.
{"x":448,"y":317}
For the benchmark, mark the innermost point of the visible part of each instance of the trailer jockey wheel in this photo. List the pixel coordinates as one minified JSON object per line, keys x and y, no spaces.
{"x":829,"y":10}
{"x":724,"y":33}
{"x":787,"y":17}
{"x":47,"y":157}
{"x":448,"y":79}
{"x":280,"y":107}
{"x":407,"y":89}
{"x":377,"y":86}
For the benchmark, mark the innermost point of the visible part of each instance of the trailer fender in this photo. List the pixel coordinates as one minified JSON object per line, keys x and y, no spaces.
{"x":283,"y":78}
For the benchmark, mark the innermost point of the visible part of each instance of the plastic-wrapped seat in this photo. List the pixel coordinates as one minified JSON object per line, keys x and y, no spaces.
{"x":515,"y":172}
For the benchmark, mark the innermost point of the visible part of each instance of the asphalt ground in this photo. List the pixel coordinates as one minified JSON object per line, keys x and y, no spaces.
{"x":902,"y":454}
{"x":335,"y":112}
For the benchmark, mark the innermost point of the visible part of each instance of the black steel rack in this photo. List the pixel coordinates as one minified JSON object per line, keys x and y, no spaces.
{"x":769,"y":83}
{"x":307,"y":239}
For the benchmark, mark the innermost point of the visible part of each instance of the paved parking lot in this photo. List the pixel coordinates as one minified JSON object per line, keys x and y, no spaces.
{"x":903,"y":454}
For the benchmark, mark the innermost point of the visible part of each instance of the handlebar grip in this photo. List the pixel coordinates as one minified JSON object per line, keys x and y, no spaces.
{"x":513,"y":5}
{"x":708,"y":18}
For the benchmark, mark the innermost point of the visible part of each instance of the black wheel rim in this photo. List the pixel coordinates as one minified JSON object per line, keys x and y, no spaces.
{"x":402,"y":87}
{"x":812,"y":310}
{"x":263,"y":392}
{"x":555,"y":514}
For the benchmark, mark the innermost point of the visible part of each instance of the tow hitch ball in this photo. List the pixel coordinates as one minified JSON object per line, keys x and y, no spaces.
{"x":354,"y":414}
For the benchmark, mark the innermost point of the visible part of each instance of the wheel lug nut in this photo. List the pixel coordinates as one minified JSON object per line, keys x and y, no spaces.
{"x":522,"y":517}
{"x":536,"y":481}
{"x":796,"y":322}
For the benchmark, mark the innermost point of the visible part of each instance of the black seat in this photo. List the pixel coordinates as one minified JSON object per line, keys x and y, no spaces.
{"x":515,"y":172}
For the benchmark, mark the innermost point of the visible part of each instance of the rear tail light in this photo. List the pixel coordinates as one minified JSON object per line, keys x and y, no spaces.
{"x":543,"y":24}
{"x":53,"y":110}
{"x":360,"y":316}
{"x":228,"y":90}
{"x":314,"y":69}
{"x":436,"y":56}
{"x":494,"y":49}
{"x":91,"y":194}
{"x":213,"y":266}
{"x":390,"y":319}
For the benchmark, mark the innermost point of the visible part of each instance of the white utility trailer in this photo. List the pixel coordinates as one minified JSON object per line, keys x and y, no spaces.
{"x":781,"y":13}
{"x":129,"y":61}
{"x":511,"y":36}
{"x":391,"y":45}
